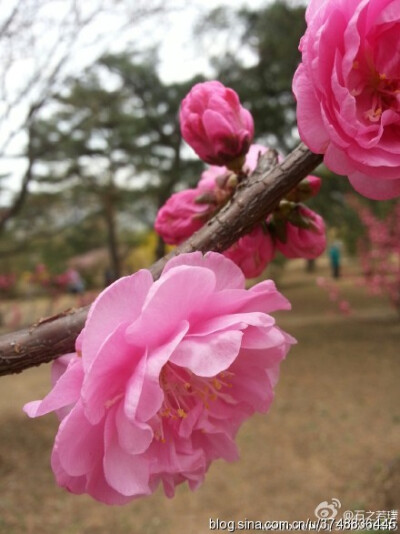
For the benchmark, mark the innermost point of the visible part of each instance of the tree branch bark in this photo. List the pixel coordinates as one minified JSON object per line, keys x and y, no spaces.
{"x":253,"y":200}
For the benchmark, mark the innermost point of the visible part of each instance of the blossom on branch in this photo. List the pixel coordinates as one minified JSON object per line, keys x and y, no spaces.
{"x":163,"y":376}
{"x":181,"y":216}
{"x":187,"y":211}
{"x":303,"y":234}
{"x":348,"y":91}
{"x":379,"y":250}
{"x":253,"y":252}
{"x":215,"y":125}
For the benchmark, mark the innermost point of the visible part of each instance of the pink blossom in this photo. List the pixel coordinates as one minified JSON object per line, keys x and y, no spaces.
{"x":7,"y":281}
{"x":163,"y":376}
{"x":209,"y":177}
{"x":180,"y":216}
{"x":252,"y":252}
{"x":215,"y":125}
{"x":344,"y":307}
{"x":313,"y":183}
{"x":302,"y":242}
{"x":379,"y":251}
{"x":253,"y":155}
{"x":348,"y":91}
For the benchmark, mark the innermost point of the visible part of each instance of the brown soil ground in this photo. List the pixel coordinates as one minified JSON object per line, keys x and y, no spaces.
{"x":332,"y":432}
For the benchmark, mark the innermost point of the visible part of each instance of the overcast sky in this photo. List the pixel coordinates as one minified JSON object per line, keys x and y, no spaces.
{"x":179,"y":53}
{"x":180,"y":56}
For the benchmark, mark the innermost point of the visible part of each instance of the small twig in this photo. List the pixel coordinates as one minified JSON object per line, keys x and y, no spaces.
{"x":254,"y":199}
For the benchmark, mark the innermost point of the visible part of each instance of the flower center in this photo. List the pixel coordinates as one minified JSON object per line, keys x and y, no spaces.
{"x":378,"y":91}
{"x":184,"y":390}
{"x":385,"y":95}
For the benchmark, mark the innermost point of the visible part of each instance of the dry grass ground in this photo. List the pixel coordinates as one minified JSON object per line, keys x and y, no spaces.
{"x":333,"y":431}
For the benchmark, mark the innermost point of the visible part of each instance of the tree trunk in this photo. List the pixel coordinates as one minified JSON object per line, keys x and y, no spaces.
{"x":112,"y":239}
{"x":166,"y":191}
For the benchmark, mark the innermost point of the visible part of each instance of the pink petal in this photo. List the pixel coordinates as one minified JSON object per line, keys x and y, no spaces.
{"x":133,"y":437}
{"x":151,"y":394}
{"x":208,"y":355}
{"x":375,"y":188}
{"x":122,"y":301}
{"x":238,"y":321}
{"x":59,"y":366}
{"x":98,"y":487}
{"x":65,"y":391}
{"x":126,"y":473}
{"x":167,"y":304}
{"x":79,"y":444}
{"x":262,"y":297}
{"x":73,"y":484}
{"x":110,"y":371}
{"x":254,"y":389}
{"x":228,"y":275}
{"x":311,"y":127}
{"x":220,"y":446}
{"x":262,"y":338}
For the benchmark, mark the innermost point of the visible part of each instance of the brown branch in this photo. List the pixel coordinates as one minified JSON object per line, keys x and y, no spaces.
{"x":254,"y":199}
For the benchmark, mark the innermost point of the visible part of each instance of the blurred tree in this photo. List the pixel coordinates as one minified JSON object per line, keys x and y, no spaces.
{"x":259,"y":59}
{"x":109,"y":149}
{"x":41,"y":42}
{"x":154,"y":139}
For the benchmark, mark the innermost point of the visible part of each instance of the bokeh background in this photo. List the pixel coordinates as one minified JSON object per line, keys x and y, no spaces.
{"x":90,"y":148}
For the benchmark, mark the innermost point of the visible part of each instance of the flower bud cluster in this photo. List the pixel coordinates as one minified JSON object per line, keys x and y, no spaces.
{"x":220,"y":130}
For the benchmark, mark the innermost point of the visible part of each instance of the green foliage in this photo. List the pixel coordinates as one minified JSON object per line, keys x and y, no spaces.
{"x":107,"y":153}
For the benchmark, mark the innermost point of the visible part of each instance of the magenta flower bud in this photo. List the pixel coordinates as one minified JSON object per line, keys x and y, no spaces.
{"x":307,"y":188}
{"x":307,"y":240}
{"x":181,"y":216}
{"x":252,"y":252}
{"x":215,"y":125}
{"x":312,"y":184}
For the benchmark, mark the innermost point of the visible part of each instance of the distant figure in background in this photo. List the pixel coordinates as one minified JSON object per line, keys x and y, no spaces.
{"x":334,"y":257}
{"x":75,"y":283}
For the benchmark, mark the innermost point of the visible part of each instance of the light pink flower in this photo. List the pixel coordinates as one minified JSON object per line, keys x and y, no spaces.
{"x":215,"y":125}
{"x":348,"y":91}
{"x":253,"y":155}
{"x":303,"y":242}
{"x":181,"y":216}
{"x":164,"y":374}
{"x":211,"y":174}
{"x":252,"y":252}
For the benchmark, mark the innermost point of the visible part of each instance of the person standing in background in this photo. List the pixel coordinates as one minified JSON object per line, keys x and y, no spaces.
{"x":334,"y":257}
